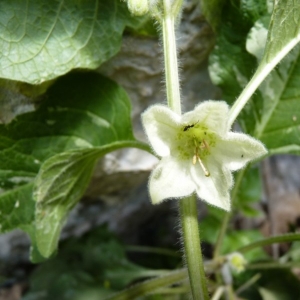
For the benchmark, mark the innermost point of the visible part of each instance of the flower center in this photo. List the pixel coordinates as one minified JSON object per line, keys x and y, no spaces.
{"x":194,"y":142}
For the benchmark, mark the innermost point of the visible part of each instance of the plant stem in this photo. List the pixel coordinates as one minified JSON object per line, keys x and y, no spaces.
{"x":218,"y":293}
{"x":273,"y":265}
{"x":289,"y":237}
{"x":192,"y":248}
{"x":248,"y":284}
{"x":188,"y":208}
{"x":147,"y":287}
{"x":170,"y":56}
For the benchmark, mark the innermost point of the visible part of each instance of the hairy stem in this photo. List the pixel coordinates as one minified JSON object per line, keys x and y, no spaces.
{"x":188,"y":209}
{"x":192,"y":248}
{"x":170,"y":56}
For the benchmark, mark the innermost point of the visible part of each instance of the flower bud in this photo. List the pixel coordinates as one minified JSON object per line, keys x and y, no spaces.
{"x":138,"y":7}
{"x":237,"y":262}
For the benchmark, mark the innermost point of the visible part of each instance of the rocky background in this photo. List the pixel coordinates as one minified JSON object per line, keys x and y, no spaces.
{"x":117,"y":195}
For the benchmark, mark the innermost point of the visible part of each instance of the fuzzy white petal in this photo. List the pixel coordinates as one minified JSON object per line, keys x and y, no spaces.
{"x":170,"y":179}
{"x":237,"y":149}
{"x":214,"y":114}
{"x":215,"y":188}
{"x":161,"y":125}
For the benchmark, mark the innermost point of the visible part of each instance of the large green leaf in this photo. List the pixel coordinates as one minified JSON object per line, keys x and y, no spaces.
{"x":273,"y":114}
{"x":279,"y":123}
{"x":61,"y":182}
{"x":80,"y":111}
{"x":41,"y":39}
{"x":284,"y":29}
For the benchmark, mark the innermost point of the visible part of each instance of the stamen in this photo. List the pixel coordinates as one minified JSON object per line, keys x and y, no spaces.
{"x":206,"y":173}
{"x":194,"y":159}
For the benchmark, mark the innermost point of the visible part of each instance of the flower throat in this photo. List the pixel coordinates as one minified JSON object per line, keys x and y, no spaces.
{"x":196,"y":142}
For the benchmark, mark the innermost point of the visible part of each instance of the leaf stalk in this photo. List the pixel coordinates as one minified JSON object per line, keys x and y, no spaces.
{"x":264,"y":69}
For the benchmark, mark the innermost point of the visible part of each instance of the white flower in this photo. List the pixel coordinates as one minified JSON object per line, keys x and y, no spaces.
{"x":198,"y":152}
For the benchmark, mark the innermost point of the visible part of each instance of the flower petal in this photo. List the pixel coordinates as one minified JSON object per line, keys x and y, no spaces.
{"x":170,"y":179}
{"x":161,"y":126}
{"x":237,"y":149}
{"x":214,"y":114}
{"x":215,"y":188}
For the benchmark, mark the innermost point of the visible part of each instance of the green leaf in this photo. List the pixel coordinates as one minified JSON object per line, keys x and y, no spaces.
{"x":63,"y":178}
{"x":273,"y":113}
{"x":279,"y":285}
{"x":230,"y":64}
{"x":210,"y":225}
{"x":61,"y":182}
{"x":234,"y":241}
{"x":94,"y":262}
{"x":275,"y":284}
{"x":280,"y":117}
{"x":83,"y":111}
{"x":59,"y":185}
{"x":284,"y":31}
{"x":249,"y":192}
{"x":280,"y":94}
{"x":277,"y":121}
{"x":16,"y":207}
{"x":294,"y":252}
{"x":41,"y":40}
